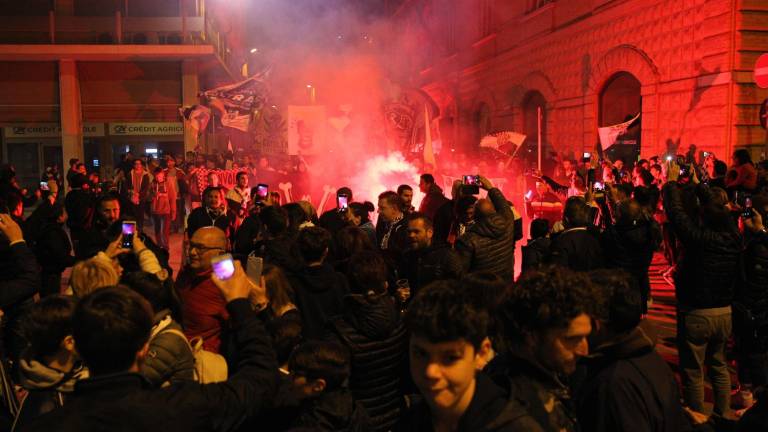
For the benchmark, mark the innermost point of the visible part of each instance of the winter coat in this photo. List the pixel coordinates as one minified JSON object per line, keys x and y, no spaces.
{"x":577,"y":249}
{"x":169,"y":358}
{"x":53,"y":248}
{"x":630,"y":388}
{"x":19,"y":276}
{"x":491,"y":410}
{"x":631,"y":248}
{"x":201,"y":217}
{"x":489,"y":244}
{"x":710,"y":259}
{"x":376,"y":338}
{"x":247,"y":235}
{"x":203,"y":308}
{"x":79,"y":205}
{"x":333,"y":411}
{"x":319,"y":292}
{"x":47,"y":388}
{"x":433,"y":201}
{"x":126,"y":402}
{"x":535,"y":253}
{"x":546,"y":398}
{"x":753,"y":284}
{"x":436,"y":262}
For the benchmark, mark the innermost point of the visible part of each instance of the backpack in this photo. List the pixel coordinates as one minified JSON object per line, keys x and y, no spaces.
{"x":210,"y":367}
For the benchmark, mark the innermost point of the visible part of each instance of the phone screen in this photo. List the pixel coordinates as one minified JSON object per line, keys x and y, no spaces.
{"x":262,"y":191}
{"x":44,"y":185}
{"x":587,"y":155}
{"x":598,"y":186}
{"x":129,"y":229}
{"x":223,"y":266}
{"x":747,"y":213}
{"x":342,"y":201}
{"x":472,"y":180}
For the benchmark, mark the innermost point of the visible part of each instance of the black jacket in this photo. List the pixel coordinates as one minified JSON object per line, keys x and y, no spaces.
{"x":397,"y":242}
{"x":334,"y":411}
{"x":79,"y":205}
{"x":436,"y":262}
{"x":319,"y":293}
{"x":577,"y":249}
{"x":489,"y":244}
{"x":536,"y":253}
{"x":376,"y":338}
{"x":125,"y":402}
{"x":432,"y":202}
{"x":546,"y":398}
{"x":332,"y":220}
{"x":706,"y":271}
{"x":53,"y":248}
{"x":631,"y":248}
{"x":247,"y":235}
{"x":630,"y":388}
{"x":753,"y":284}
{"x":491,"y":410}
{"x":100,"y":236}
{"x":201,"y":217}
{"x":19,"y":275}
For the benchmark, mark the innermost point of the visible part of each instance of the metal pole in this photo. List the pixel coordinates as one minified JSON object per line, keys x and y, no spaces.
{"x":538,"y":124}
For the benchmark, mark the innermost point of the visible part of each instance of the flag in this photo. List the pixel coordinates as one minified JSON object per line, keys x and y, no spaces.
{"x":236,"y":120}
{"x":429,"y":153}
{"x":609,"y":134}
{"x":236,"y":102}
{"x":498,"y":139}
{"x":196,"y":117}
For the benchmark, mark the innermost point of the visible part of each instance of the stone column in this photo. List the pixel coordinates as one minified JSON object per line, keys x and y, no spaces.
{"x":70,"y":112}
{"x":190,"y":86}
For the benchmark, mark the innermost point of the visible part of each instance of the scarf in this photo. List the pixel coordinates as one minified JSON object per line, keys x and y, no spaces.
{"x":385,"y":239}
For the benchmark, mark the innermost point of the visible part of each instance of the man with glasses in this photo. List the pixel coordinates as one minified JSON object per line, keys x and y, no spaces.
{"x":204,"y":308}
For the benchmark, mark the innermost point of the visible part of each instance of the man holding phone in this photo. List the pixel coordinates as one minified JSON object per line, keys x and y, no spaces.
{"x":204,"y":309}
{"x":333,"y":220}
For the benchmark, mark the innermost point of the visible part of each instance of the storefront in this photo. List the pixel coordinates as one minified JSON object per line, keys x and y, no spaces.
{"x":145,"y":139}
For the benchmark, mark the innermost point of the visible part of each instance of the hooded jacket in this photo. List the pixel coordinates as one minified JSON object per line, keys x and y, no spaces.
{"x":376,"y":338}
{"x":577,"y":249}
{"x":47,"y":388}
{"x":319,"y":292}
{"x":491,"y":410}
{"x":334,"y":411}
{"x":169,"y":358}
{"x":436,"y":262}
{"x":629,"y":387}
{"x":489,"y":244}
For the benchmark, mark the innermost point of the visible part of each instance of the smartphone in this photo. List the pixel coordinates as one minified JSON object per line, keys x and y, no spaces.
{"x":748,"y":212}
{"x":262,"y":191}
{"x":529,"y":195}
{"x":129,"y":230}
{"x":44,"y":186}
{"x":669,"y":158}
{"x":472,"y":180}
{"x":684,"y":171}
{"x":587,"y":155}
{"x":254,"y":267}
{"x":223,"y":266}
{"x":342,"y":201}
{"x":706,"y":154}
{"x":598,"y":187}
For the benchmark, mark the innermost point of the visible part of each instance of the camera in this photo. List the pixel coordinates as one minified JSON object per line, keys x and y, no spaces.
{"x":471,"y":184}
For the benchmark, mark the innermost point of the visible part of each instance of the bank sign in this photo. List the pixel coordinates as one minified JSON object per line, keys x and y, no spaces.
{"x":146,"y":128}
{"x":49,"y":130}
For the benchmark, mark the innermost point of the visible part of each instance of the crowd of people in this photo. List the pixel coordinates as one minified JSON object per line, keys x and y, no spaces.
{"x":385,"y":317}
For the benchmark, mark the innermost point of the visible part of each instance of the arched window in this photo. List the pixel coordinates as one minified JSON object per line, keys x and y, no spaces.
{"x":620,"y":101}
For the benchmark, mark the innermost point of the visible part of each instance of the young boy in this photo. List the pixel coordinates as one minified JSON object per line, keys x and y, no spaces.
{"x":319,"y":372}
{"x":449,"y":344}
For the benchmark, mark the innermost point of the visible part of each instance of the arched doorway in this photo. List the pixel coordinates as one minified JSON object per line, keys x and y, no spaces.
{"x":532,"y":101}
{"x":620,"y":101}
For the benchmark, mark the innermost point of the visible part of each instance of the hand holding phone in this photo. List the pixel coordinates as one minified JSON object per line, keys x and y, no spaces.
{"x":223,"y":266}
{"x":342,"y":201}
{"x":748,"y":211}
{"x":472,"y":180}
{"x":237,"y":286}
{"x":262,"y":190}
{"x":129,"y":230}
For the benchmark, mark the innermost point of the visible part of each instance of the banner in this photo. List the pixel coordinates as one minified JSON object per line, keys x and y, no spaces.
{"x":306,"y":130}
{"x":609,"y":134}
{"x":196,"y":117}
{"x":236,"y":102}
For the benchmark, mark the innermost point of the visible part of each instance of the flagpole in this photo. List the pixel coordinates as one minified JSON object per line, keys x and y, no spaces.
{"x":538,"y":125}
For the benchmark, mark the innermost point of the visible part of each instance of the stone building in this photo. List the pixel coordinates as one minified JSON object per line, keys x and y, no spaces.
{"x":685,"y":65}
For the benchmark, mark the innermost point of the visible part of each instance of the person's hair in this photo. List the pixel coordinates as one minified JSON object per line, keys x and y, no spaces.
{"x":310,"y":211}
{"x":210,"y":189}
{"x":109,"y":196}
{"x":296,"y":216}
{"x":78,"y":180}
{"x":539,"y":228}
{"x":392,"y":198}
{"x":286,"y":336}
{"x":656,"y":167}
{"x":313,"y":242}
{"x":721,"y":168}
{"x":279,"y":290}
{"x":368,"y":272}
{"x":442,"y":312}
{"x":576,"y":212}
{"x":275,"y":219}
{"x":346,"y":191}
{"x":464,"y":203}
{"x":716,"y":217}
{"x":110,"y":326}
{"x":428,"y":178}
{"x":240,"y":174}
{"x":73,"y":161}
{"x":629,"y":212}
{"x":91,"y":274}
{"x":315,"y":360}
{"x":159,"y":294}
{"x":133,"y":162}
{"x":619,"y":303}
{"x":646,"y":176}
{"x":362,"y":210}
{"x":47,"y":323}
{"x":486,"y":290}
{"x":428,"y":224}
{"x":350,"y":241}
{"x":403,"y":187}
{"x":742,"y":156}
{"x":545,"y":299}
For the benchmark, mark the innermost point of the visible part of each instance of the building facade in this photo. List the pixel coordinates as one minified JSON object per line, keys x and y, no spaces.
{"x":92,"y":79}
{"x":686,"y":66}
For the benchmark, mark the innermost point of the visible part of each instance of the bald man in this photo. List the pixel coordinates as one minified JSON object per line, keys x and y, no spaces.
{"x":204,"y":308}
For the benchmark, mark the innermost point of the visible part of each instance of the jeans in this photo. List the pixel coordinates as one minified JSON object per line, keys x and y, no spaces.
{"x":162,"y":224}
{"x":702,"y":335}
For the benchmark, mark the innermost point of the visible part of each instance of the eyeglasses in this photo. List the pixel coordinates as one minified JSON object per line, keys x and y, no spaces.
{"x":202,"y":248}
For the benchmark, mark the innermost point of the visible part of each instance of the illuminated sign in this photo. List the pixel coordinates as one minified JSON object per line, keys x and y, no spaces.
{"x":49,"y":130}
{"x":147,"y":128}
